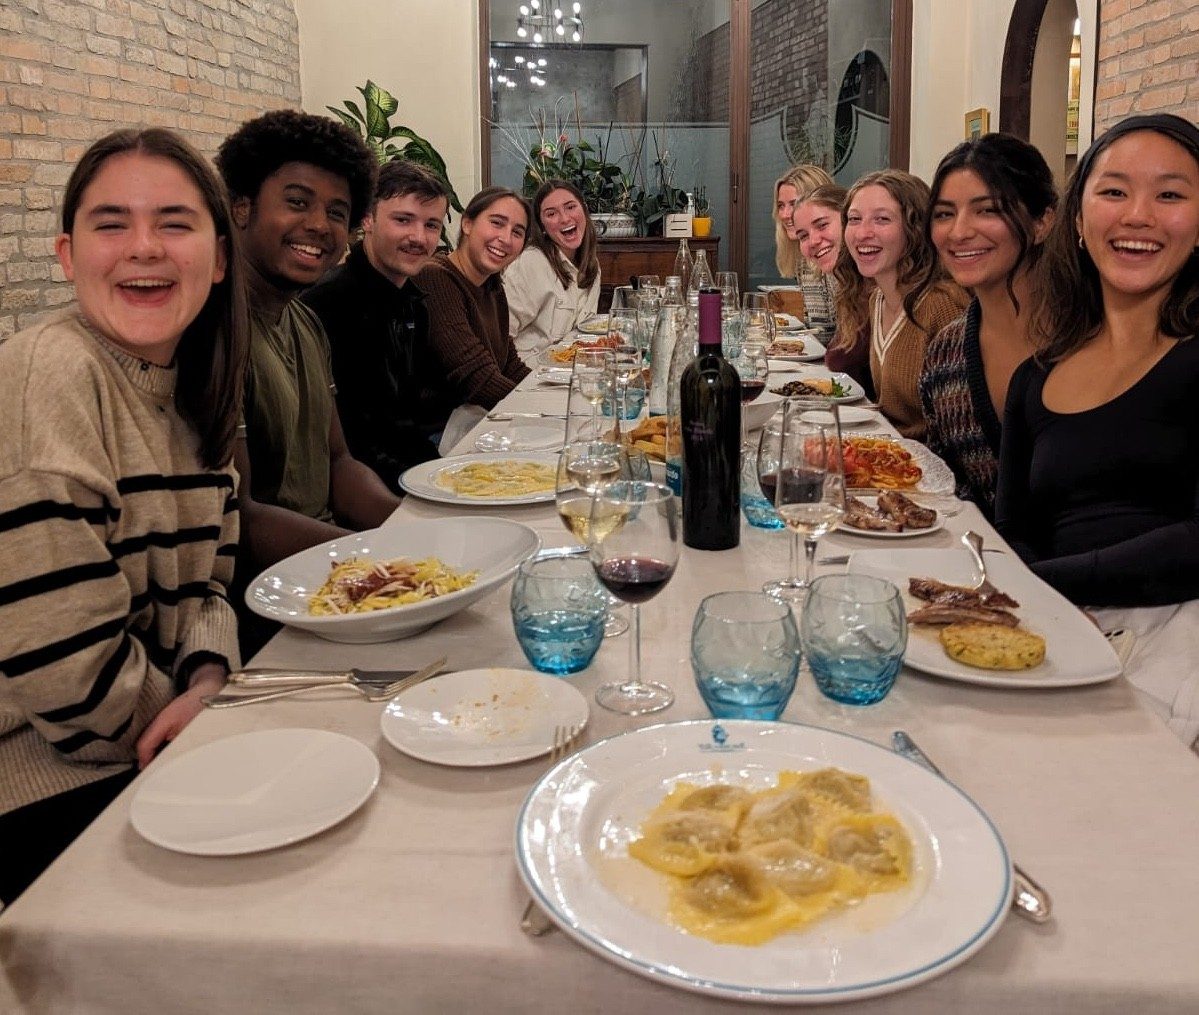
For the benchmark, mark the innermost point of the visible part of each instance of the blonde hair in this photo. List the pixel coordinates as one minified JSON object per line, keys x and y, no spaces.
{"x":804,"y":178}
{"x":919,"y":258}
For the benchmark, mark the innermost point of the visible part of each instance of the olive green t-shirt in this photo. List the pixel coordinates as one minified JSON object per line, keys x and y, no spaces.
{"x":289,"y":404}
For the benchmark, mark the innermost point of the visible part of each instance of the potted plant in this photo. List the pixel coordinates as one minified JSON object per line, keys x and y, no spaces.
{"x":372,"y":122}
{"x":701,"y":224}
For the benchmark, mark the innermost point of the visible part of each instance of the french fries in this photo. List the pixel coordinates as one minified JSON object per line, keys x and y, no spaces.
{"x":649,"y":437}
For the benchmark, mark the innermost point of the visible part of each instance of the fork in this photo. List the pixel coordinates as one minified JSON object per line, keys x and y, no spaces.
{"x":384,"y":693}
{"x":533,"y":920}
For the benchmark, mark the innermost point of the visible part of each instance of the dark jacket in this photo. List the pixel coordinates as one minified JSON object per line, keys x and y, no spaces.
{"x":388,"y":383}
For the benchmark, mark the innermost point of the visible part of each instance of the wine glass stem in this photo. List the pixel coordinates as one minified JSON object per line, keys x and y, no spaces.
{"x":794,"y":544}
{"x":809,"y":548}
{"x":634,"y":646}
{"x":594,"y":420}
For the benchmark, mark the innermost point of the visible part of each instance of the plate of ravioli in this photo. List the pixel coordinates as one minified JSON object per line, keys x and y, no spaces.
{"x":763,"y":861}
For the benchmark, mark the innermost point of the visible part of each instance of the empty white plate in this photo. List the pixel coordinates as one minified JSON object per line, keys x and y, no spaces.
{"x":850,"y":416}
{"x":254,"y":791}
{"x":523,"y":435}
{"x":474,"y":718}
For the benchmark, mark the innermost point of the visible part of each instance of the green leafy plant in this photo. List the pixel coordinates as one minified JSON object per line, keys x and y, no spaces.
{"x":650,"y":207}
{"x":372,"y":122}
{"x":702,"y":205}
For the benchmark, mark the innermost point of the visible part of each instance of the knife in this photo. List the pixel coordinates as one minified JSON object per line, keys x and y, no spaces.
{"x":1031,"y":901}
{"x":319,"y":678}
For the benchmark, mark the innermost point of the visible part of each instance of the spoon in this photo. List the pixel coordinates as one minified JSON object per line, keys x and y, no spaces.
{"x":974,"y":543}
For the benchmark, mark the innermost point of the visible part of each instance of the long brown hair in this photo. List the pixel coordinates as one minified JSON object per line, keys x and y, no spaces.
{"x":805,"y":178}
{"x":911,"y":194}
{"x":1067,"y":298}
{"x":586,"y":257}
{"x":213,"y":353}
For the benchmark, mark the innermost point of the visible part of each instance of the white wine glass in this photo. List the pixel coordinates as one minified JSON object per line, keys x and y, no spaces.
{"x":801,"y":471}
{"x":591,"y":376}
{"x":633,"y":543}
{"x":583,"y":468}
{"x":730,"y":296}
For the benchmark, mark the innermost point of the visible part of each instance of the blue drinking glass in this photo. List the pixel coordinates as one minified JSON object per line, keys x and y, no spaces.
{"x":558,"y":610}
{"x":758,"y":511}
{"x":745,"y":655}
{"x":854,"y":631}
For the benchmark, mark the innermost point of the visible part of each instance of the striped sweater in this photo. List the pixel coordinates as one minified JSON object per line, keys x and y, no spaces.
{"x":963,"y":427}
{"x":116,"y":548}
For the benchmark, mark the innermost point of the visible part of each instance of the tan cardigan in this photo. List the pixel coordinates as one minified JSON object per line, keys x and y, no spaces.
{"x":117,"y":547}
{"x":897,"y":358}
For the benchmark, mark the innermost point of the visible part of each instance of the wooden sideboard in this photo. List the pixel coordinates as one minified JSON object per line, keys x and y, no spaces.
{"x":626,"y":258}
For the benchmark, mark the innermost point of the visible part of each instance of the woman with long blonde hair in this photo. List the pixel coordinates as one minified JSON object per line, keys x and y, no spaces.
{"x":884,"y":246}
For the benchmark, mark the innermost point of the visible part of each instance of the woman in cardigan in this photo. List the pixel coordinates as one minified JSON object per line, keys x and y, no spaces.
{"x":118,"y":520}
{"x":789,"y":190}
{"x":993,"y":202}
{"x":468,"y":312}
{"x":884,"y":246}
{"x":816,"y":223}
{"x":555,"y":283}
{"x":1099,"y":463}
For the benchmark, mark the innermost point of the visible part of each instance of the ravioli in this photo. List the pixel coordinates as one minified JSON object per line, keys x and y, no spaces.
{"x":746,"y":867}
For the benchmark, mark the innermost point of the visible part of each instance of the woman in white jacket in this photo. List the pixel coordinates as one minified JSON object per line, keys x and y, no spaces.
{"x":555,"y":283}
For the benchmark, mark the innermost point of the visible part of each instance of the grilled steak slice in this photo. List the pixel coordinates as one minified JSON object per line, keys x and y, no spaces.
{"x":859,"y":515}
{"x":940,"y":613}
{"x":933,"y":591}
{"x":906,"y":510}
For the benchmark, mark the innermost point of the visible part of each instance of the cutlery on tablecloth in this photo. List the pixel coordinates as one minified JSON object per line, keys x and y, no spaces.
{"x":533,"y":921}
{"x":507,"y":417}
{"x":1031,"y":900}
{"x":269,"y":678}
{"x":369,"y":690}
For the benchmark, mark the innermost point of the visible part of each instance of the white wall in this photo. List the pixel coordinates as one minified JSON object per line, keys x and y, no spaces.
{"x":425,"y":52}
{"x":957,"y":57}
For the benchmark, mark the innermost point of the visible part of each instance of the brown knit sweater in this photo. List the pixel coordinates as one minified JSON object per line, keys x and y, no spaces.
{"x":468,"y":333}
{"x":117,"y":547}
{"x":897,"y":358}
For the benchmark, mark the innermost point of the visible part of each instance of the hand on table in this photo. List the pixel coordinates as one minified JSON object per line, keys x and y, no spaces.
{"x":208,"y":678}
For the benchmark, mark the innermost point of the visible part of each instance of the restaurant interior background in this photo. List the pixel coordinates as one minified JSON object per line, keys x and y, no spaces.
{"x":819,"y":73}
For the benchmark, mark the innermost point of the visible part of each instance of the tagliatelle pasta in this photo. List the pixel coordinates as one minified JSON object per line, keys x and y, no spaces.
{"x":359,"y":586}
{"x":880,"y":463}
{"x":504,"y":478}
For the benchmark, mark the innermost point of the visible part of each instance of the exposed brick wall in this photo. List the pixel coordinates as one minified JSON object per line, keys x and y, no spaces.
{"x":789,"y":47}
{"x":1148,"y":59}
{"x":73,"y":70}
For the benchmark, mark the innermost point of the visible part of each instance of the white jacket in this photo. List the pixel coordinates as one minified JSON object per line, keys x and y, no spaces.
{"x":540,"y":311}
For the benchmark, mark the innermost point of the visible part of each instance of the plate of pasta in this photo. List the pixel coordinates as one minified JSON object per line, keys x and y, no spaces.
{"x":880,"y":461}
{"x":394,"y":581}
{"x":489,"y":479}
{"x":763,"y":861}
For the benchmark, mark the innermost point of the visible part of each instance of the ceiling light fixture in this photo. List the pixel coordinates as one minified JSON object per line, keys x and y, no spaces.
{"x":549,"y":25}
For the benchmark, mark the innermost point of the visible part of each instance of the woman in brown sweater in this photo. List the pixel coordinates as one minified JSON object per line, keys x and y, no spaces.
{"x":885,"y":246}
{"x":468,"y":312}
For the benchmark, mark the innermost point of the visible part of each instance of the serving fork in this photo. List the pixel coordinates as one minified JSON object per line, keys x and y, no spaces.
{"x":533,"y":920}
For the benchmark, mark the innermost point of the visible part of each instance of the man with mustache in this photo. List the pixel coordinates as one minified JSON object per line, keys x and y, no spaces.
{"x":378,"y":325}
{"x":297,"y":184}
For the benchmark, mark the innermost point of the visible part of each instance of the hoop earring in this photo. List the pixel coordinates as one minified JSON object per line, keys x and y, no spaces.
{"x":1081,"y":245}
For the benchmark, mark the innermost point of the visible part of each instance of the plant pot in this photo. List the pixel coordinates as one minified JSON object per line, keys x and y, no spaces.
{"x":614,"y":225}
{"x":701,"y":226}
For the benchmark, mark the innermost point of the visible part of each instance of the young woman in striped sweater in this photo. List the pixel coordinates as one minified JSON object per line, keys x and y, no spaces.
{"x":118,"y":518}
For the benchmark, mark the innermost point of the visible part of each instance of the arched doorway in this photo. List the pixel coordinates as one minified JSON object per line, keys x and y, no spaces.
{"x":1035,"y":79}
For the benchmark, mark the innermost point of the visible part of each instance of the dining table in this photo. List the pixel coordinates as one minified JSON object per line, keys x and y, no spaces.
{"x":413,"y":903}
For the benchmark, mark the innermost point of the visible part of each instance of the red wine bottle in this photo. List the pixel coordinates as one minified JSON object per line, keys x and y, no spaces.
{"x":710,"y":410}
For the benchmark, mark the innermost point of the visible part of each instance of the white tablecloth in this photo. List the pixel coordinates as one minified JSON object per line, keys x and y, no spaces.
{"x":412,"y":903}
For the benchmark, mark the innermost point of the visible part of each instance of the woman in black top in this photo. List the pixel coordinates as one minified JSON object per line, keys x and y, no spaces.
{"x":1099,"y":464}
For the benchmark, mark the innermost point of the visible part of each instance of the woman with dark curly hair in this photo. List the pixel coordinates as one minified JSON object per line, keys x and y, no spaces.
{"x":1099,"y":463}
{"x":298,"y":184}
{"x":993,"y":201}
{"x":555,"y":283}
{"x":117,"y":506}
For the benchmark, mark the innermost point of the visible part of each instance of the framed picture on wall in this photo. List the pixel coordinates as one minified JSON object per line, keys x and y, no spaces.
{"x":978,"y":123}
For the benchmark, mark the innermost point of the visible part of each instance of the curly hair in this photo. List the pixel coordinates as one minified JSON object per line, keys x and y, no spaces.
{"x":912,"y":195}
{"x":586,"y":257}
{"x":260,"y":146}
{"x":1021,"y":185}
{"x":213,"y":353}
{"x":804,"y":178}
{"x":1067,"y":298}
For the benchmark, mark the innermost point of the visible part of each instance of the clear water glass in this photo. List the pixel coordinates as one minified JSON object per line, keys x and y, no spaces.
{"x":558,"y":610}
{"x":623,"y":298}
{"x":854,"y":632}
{"x":590,"y":379}
{"x":745,"y":653}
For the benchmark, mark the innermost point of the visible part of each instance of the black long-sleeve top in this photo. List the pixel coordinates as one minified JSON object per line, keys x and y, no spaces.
{"x":1104,"y":504}
{"x":388,"y":382}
